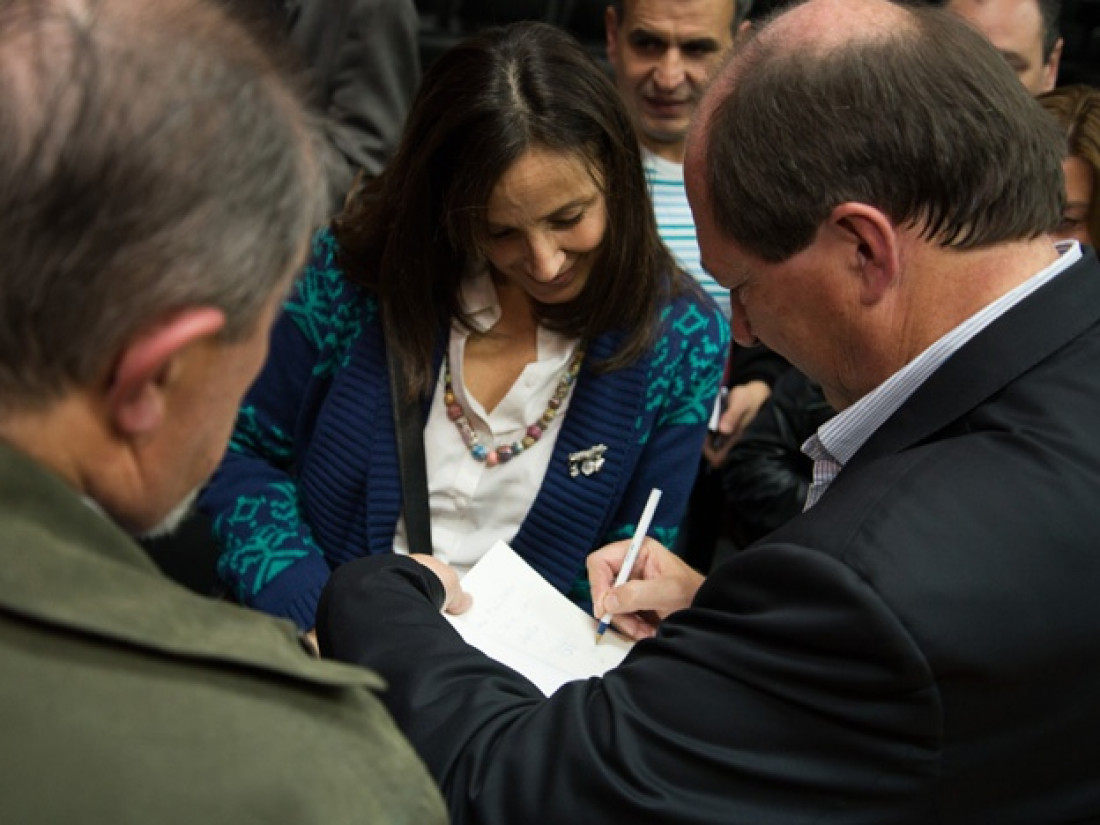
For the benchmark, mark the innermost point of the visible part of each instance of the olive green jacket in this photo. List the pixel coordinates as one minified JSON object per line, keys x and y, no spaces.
{"x":125,"y":698}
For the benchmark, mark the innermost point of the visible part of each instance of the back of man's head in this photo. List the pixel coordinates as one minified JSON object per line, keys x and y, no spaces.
{"x":152,"y":157}
{"x":916,"y":115}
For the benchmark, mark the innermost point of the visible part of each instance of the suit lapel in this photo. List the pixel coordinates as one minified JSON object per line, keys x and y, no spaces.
{"x":1024,"y":336}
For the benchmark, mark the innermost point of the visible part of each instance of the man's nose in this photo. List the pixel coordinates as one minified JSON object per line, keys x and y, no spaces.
{"x":670,"y":70}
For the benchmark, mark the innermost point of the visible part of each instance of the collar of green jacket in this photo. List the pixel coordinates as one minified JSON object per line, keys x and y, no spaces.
{"x":62,"y":562}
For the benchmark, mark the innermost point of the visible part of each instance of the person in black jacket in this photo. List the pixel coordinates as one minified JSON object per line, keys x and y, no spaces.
{"x":766,"y":476}
{"x":365,"y":64}
{"x":362,"y":64}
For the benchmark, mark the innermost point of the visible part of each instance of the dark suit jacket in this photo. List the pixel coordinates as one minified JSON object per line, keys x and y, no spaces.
{"x":922,"y":647}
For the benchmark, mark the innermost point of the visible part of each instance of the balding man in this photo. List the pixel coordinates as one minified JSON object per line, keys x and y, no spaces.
{"x":158,"y":184}
{"x":923,"y":644}
{"x":1025,"y":32}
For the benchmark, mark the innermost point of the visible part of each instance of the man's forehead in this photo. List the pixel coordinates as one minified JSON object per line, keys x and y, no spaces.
{"x":709,"y":18}
{"x":1006,"y":23}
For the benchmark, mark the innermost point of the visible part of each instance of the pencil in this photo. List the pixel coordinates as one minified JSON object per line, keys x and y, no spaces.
{"x":632,"y":553}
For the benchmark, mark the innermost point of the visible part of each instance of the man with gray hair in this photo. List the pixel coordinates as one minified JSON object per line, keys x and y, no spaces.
{"x":923,"y":644}
{"x":159,"y":179}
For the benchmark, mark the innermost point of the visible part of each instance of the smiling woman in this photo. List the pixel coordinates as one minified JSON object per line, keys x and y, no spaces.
{"x":508,"y":260}
{"x":545,"y":222}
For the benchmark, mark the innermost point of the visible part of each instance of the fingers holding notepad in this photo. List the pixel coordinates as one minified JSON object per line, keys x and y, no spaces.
{"x":457,"y":600}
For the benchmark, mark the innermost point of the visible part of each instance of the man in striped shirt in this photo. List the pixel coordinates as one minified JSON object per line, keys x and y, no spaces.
{"x":663,"y":53}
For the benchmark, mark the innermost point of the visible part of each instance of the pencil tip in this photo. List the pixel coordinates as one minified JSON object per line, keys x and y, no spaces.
{"x":598,"y":636}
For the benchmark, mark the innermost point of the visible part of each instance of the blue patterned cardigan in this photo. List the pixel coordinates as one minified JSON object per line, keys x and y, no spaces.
{"x":311,"y":476}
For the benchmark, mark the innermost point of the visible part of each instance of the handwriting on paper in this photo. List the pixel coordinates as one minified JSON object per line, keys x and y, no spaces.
{"x":519,"y":619}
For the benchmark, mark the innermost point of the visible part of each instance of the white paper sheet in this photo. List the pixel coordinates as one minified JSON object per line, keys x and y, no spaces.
{"x":519,"y":619}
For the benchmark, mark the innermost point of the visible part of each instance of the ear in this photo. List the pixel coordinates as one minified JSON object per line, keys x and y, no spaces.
{"x":611,"y":29}
{"x":148,"y":364}
{"x":1050,"y":70}
{"x":876,"y":245}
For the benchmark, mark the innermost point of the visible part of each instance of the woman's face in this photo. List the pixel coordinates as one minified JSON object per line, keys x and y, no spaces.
{"x":545,"y":221}
{"x":1080,"y":187}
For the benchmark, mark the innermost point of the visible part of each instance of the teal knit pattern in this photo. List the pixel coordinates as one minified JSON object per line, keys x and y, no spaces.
{"x":270,"y":543}
{"x":329,"y":310}
{"x":691,"y":388}
{"x":262,"y":536}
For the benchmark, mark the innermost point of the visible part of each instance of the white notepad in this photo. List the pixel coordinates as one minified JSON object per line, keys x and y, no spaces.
{"x":518,"y":618}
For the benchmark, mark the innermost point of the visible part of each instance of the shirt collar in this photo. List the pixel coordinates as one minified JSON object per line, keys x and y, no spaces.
{"x":478,"y":298}
{"x":841,"y":436}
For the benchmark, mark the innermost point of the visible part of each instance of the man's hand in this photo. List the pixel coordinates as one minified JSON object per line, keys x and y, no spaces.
{"x":457,"y":600}
{"x":742,"y":405}
{"x":660,"y":583}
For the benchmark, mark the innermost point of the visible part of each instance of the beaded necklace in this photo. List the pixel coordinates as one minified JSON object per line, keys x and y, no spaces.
{"x":506,"y":452}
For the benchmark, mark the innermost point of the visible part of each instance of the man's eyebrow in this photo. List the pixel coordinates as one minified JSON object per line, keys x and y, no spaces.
{"x":638,"y":33}
{"x":701,"y":41}
{"x":1015,"y":59}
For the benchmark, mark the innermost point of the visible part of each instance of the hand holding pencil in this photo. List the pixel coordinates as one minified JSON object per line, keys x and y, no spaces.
{"x":659,"y":584}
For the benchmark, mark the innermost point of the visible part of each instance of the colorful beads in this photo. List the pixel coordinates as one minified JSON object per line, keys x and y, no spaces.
{"x":505,"y":453}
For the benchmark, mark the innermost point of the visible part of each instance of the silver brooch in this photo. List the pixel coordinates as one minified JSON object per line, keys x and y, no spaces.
{"x":587,"y":461}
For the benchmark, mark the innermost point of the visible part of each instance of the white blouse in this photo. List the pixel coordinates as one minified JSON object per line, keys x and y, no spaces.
{"x":473,"y":505}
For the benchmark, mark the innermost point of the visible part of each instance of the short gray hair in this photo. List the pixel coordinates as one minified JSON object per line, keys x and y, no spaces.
{"x":153,"y":157}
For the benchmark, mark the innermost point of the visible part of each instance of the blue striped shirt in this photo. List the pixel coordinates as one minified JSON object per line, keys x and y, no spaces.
{"x":675,"y":224}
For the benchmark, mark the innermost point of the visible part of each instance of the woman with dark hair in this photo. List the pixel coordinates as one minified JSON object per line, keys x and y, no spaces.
{"x":1077,"y":110}
{"x":509,"y":262}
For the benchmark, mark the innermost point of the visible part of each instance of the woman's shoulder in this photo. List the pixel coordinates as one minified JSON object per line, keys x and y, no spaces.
{"x":324,"y":271}
{"x":690,"y":313}
{"x":324,"y":281}
{"x":324,"y":303}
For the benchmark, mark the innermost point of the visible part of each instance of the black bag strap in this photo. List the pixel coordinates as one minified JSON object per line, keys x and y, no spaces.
{"x":408,"y":425}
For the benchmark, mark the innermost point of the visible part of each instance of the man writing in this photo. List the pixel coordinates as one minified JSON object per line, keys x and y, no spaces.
{"x":923,"y":644}
{"x":158,"y":183}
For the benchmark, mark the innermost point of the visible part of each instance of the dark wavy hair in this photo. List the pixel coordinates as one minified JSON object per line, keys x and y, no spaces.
{"x":412,"y":234}
{"x":1076,"y":108}
{"x":927,"y":122}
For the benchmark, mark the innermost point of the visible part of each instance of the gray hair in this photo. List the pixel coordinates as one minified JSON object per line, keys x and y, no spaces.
{"x":153,"y":157}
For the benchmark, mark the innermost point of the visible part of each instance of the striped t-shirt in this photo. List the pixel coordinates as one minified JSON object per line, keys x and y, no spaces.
{"x":666,"y":186}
